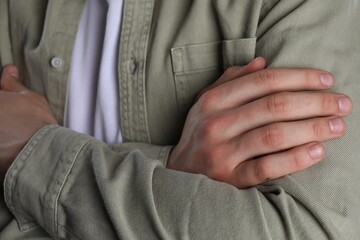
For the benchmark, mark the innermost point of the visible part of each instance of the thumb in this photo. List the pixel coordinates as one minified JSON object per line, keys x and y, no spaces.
{"x":10,"y":80}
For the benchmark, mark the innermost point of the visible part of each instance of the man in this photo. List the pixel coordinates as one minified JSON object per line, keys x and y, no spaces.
{"x":75,"y":187}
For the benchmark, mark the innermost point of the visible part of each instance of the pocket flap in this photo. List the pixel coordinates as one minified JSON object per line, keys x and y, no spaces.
{"x":206,"y":56}
{"x":196,"y":57}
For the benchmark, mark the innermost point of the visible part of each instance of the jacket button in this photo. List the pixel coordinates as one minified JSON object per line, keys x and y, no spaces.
{"x":57,"y":62}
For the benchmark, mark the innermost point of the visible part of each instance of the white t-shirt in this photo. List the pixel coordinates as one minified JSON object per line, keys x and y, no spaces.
{"x":93,"y":98}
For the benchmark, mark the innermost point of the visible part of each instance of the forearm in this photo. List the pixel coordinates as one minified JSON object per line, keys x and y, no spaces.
{"x":48,"y":168}
{"x":126,"y":194}
{"x":85,"y":189}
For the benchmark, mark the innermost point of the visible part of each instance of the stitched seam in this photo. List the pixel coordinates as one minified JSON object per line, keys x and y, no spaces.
{"x":139,"y":78}
{"x":195,"y":70}
{"x":14,"y":173}
{"x":149,"y":8}
{"x":124,"y":45}
{"x":62,"y":186}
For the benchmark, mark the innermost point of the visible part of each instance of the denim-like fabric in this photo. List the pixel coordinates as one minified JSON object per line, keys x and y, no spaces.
{"x":65,"y":185}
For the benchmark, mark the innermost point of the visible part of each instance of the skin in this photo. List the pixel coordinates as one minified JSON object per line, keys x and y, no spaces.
{"x":253,"y":124}
{"x":256,"y":124}
{"x":22,"y":113}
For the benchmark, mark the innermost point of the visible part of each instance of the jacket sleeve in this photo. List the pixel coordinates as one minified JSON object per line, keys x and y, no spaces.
{"x":5,"y":46}
{"x":75,"y":187}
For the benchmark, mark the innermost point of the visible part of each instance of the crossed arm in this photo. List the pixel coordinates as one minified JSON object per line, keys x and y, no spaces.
{"x":250,"y":126}
{"x":136,"y":193}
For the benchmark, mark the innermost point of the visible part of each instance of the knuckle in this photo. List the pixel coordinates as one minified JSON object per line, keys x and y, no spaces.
{"x":262,"y":171}
{"x":326,"y":102}
{"x":278,"y":103}
{"x":210,"y":127}
{"x":298,"y":162}
{"x":273,"y":137}
{"x":311,"y":76}
{"x":207,"y":100}
{"x":231,"y":70}
{"x":308,"y":76}
{"x":265,"y":76}
{"x":318,"y":130}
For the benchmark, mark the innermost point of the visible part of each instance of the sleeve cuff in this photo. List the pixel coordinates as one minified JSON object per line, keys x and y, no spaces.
{"x":35,"y":179}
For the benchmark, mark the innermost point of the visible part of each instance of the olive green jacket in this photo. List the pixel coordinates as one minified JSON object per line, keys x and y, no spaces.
{"x":65,"y":185}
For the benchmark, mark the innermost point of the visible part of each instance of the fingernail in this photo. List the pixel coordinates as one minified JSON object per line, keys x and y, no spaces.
{"x":13,"y":71}
{"x":345,"y":104}
{"x":336,"y":125}
{"x":327,"y":79}
{"x":316,"y":151}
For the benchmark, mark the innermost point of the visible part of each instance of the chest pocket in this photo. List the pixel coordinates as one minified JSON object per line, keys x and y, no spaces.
{"x":197,"y":66}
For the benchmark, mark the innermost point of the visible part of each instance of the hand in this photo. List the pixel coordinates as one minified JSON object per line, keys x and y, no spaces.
{"x":257,"y":124}
{"x":22,"y":113}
